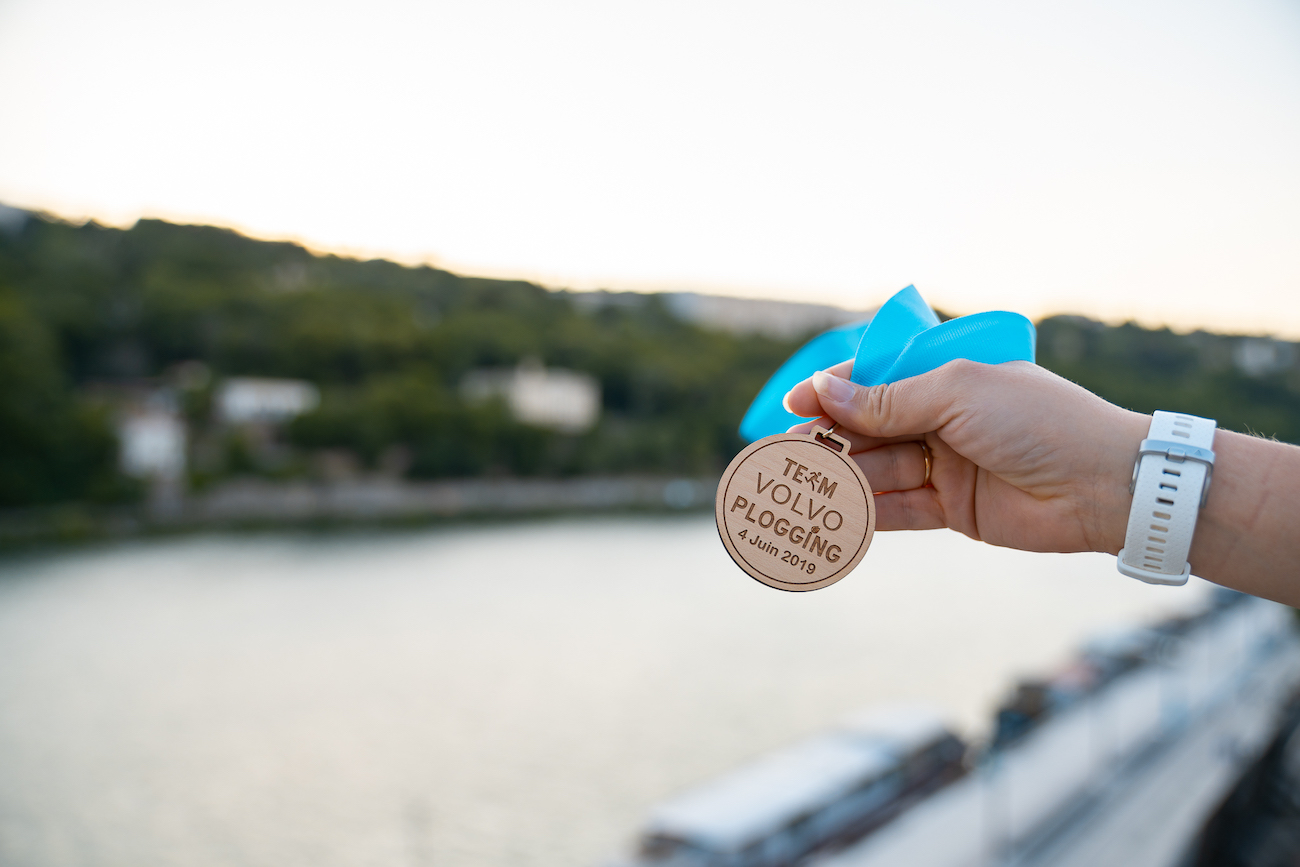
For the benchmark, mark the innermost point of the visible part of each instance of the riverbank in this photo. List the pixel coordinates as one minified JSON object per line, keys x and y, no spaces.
{"x":257,"y":503}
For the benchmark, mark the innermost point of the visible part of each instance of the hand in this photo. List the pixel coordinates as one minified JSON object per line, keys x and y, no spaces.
{"x":1020,"y":457}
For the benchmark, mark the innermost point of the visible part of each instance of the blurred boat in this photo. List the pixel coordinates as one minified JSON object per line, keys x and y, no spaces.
{"x":814,"y":796}
{"x":890,"y":786}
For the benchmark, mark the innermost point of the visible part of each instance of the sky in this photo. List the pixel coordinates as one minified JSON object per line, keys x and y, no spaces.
{"x":1115,"y":159}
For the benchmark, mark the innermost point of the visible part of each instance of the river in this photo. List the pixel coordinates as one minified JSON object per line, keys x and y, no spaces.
{"x":489,"y":695}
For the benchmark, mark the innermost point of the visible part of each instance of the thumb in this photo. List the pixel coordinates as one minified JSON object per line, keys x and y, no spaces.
{"x":916,"y":405}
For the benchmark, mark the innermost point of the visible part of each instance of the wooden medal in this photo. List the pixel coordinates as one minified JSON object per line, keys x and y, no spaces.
{"x":795,"y":511}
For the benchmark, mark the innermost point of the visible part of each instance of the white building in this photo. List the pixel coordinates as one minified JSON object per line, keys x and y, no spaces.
{"x":564,"y":400}
{"x":241,"y":400}
{"x":1260,"y":356}
{"x":153,"y":444}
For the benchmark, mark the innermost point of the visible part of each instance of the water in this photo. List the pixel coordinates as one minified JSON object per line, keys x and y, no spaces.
{"x":514,"y":694}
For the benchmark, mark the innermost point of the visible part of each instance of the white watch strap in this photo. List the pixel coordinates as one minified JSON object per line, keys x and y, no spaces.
{"x":1171,"y":478}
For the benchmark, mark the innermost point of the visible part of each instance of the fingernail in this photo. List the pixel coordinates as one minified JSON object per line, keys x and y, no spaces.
{"x":785,"y":403}
{"x":832,"y":387}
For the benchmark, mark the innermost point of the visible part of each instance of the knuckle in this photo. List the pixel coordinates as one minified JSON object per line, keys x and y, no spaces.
{"x":963,"y":370}
{"x":873,"y":401}
{"x":906,"y":512}
{"x":878,"y":404}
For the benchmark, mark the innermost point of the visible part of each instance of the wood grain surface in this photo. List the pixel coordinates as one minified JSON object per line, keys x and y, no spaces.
{"x":795,"y":513}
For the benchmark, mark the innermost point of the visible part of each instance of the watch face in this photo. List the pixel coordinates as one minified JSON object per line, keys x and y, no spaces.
{"x":795,"y":513}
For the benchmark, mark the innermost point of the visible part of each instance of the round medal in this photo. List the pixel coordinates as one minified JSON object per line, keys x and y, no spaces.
{"x":795,"y":511}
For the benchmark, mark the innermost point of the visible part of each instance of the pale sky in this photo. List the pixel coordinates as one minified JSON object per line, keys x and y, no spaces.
{"x":1114,"y":158}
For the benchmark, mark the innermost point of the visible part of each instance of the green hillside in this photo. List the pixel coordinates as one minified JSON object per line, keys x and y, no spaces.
{"x":89,"y":313}
{"x":86,"y":310}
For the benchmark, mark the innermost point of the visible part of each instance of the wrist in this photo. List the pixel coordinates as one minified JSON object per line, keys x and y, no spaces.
{"x":1238,"y":500}
{"x":1172,"y":473}
{"x":1112,"y":497}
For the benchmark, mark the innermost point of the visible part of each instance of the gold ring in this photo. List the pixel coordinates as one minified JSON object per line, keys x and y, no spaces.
{"x":929,"y":464}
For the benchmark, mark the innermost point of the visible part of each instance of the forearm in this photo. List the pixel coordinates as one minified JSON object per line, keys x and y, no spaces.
{"x":1247,"y":536}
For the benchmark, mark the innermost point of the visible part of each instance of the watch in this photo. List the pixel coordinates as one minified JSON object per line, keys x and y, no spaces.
{"x":1171,"y":479}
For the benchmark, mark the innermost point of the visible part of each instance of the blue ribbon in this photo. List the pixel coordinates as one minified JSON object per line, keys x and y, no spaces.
{"x":905,"y":338}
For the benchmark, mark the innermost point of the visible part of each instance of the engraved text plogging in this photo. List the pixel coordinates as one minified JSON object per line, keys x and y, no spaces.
{"x":806,"y":507}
